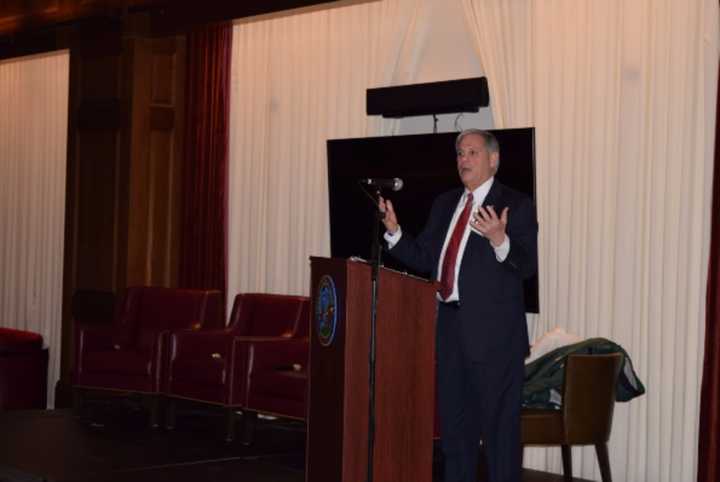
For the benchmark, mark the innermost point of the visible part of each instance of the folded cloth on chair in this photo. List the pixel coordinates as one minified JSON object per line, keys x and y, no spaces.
{"x":544,"y":377}
{"x":555,"y":338}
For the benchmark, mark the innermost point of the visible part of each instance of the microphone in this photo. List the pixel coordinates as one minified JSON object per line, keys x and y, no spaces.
{"x":394,"y":184}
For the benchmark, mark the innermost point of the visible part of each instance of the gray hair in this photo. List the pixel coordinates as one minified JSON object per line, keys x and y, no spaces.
{"x":491,"y":142}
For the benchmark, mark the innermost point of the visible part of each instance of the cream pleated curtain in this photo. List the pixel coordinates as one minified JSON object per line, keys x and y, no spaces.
{"x":299,"y":80}
{"x":33,"y":146}
{"x":622,"y":96}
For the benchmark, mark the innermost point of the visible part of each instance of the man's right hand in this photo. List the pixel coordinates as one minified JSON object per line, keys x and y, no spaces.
{"x":390,"y":220}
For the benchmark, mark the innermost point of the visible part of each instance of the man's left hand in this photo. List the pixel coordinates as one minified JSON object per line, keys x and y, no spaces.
{"x":486,"y":221}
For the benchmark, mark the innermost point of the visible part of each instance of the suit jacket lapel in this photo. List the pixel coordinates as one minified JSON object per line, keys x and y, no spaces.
{"x":494,"y":196}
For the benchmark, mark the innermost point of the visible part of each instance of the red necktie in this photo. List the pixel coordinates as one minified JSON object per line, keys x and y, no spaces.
{"x":447,"y":278}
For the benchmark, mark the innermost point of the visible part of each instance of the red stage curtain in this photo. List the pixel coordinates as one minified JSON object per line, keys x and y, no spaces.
{"x":203,"y":245}
{"x":709,"y":439}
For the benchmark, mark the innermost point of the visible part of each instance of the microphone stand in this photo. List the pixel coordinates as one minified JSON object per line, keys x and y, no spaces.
{"x":376,"y":257}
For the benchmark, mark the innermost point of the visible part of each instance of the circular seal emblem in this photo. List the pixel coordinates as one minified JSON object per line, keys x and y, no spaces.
{"x":325,"y":312}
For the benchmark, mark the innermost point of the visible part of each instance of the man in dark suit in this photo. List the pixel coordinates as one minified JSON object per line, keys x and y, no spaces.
{"x":480,"y":242}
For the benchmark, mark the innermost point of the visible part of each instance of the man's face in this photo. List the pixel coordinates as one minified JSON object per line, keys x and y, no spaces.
{"x":474,"y":163}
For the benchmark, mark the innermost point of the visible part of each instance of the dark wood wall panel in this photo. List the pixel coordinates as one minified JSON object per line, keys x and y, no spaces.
{"x":162,"y":118}
{"x":163,"y":72}
{"x":155,"y":206}
{"x":164,"y":203}
{"x":98,"y":131}
{"x":102,"y":114}
{"x":99,"y":77}
{"x":167,"y":127}
{"x":140,"y":220}
{"x":97,"y":253}
{"x":124,"y":158}
{"x":142,"y":183}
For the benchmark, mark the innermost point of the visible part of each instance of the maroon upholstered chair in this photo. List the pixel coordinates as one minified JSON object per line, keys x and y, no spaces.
{"x":277,"y":380}
{"x":90,"y":306}
{"x":216,"y":366}
{"x":23,"y":370}
{"x":132,"y":354}
{"x":87,"y":307}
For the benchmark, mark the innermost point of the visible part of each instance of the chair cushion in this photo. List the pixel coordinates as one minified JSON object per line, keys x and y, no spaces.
{"x":542,"y":427}
{"x":280,"y":392}
{"x":287,"y":384}
{"x":19,"y":340}
{"x":124,"y":362}
{"x":209,"y":371}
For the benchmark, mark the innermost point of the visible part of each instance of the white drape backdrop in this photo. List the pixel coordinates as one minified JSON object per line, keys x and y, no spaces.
{"x":622,"y":96}
{"x":299,"y":80}
{"x":33,"y":147}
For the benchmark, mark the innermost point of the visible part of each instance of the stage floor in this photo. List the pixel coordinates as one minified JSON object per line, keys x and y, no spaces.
{"x":111,"y":442}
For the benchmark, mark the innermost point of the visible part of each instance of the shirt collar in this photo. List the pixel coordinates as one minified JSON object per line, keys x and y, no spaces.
{"x":481,"y":192}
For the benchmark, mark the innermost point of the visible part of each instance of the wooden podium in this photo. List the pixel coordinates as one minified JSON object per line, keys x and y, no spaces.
{"x":337,"y":434}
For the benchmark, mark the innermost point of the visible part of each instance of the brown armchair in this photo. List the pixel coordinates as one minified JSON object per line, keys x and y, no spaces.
{"x":215,"y":367}
{"x":131,"y":355}
{"x":585,"y":417}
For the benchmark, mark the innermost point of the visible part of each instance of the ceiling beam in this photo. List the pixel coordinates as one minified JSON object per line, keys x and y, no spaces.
{"x":31,"y":16}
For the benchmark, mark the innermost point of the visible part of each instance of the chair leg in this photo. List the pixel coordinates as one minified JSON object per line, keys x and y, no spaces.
{"x":229,"y":424}
{"x":567,"y":463}
{"x":170,"y":414}
{"x":154,"y":402}
{"x":77,"y":400}
{"x":249,"y":422}
{"x":603,"y":462}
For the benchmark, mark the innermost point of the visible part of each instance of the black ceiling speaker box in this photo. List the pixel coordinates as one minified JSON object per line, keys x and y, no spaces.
{"x":447,"y":97}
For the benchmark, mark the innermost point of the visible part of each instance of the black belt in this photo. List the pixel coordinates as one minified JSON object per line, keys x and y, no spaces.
{"x":451,"y":304}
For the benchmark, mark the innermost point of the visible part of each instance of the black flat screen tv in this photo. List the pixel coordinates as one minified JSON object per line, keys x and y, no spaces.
{"x":426,"y":164}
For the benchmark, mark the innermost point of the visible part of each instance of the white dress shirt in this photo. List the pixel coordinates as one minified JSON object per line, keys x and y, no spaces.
{"x":479,"y":196}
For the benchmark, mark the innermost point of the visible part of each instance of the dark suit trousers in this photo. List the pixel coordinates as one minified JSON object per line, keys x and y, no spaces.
{"x":477,"y":400}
